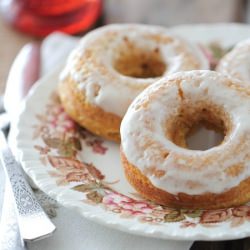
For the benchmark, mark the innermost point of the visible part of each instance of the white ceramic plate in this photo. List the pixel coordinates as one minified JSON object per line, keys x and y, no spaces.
{"x":84,"y":173}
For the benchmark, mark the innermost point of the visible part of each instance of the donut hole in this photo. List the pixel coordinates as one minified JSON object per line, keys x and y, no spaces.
{"x":135,"y":61}
{"x":199,"y":128}
{"x":203,"y":136}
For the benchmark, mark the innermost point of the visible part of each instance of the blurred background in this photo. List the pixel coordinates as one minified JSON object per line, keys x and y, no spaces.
{"x":22,"y":21}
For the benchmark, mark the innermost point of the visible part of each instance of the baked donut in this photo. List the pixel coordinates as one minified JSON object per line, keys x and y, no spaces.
{"x":236,"y":63}
{"x":155,"y":157}
{"x":112,"y":65}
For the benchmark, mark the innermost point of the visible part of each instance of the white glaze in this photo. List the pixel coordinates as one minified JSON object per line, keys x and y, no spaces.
{"x":207,"y":169}
{"x":237,"y":62}
{"x":117,"y":91}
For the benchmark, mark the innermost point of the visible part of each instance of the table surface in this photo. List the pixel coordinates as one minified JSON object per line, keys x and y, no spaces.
{"x":13,"y":42}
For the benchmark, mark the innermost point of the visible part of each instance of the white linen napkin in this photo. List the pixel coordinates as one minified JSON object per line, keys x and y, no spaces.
{"x":73,"y":231}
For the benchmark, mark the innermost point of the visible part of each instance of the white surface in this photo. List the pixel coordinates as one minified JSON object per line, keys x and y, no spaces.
{"x":76,"y":233}
{"x":37,"y":101}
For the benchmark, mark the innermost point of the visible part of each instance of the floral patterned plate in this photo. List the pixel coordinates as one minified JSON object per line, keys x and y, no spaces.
{"x":84,"y":172}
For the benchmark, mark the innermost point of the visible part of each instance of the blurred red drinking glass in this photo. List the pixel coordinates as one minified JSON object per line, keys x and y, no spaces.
{"x":41,"y":17}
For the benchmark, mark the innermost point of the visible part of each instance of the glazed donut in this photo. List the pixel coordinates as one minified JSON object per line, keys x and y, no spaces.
{"x":112,"y":65}
{"x":236,"y":63}
{"x":155,"y":157}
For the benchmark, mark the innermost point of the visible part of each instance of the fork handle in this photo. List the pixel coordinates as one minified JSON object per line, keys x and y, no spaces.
{"x":34,"y":223}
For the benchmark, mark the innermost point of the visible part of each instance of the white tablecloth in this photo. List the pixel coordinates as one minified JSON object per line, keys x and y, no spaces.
{"x":73,"y":232}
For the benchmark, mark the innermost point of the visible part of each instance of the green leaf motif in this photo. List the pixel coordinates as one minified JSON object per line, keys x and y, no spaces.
{"x":74,"y":143}
{"x":192,"y":213}
{"x":95,"y":196}
{"x":66,"y":150}
{"x":174,"y":216}
{"x":85,"y":187}
{"x":53,"y":142}
{"x":218,"y":51}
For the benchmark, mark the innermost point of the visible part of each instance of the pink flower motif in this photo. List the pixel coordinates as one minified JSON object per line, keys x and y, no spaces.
{"x":146,"y":219}
{"x":214,"y":216}
{"x":126,"y":204}
{"x":209,"y":55}
{"x":242,"y":211}
{"x":97,"y":146}
{"x":56,"y":110}
{"x":186,"y":224}
{"x":69,"y":124}
{"x":151,"y":220}
{"x":59,"y":121}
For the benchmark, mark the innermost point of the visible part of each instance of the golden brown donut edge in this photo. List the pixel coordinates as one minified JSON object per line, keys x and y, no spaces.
{"x":235,"y":196}
{"x":91,"y":117}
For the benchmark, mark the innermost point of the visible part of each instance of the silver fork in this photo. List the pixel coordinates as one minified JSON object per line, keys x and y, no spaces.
{"x":33,"y":222}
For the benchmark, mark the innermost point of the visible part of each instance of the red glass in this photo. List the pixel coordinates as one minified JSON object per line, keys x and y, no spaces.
{"x":41,"y":17}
